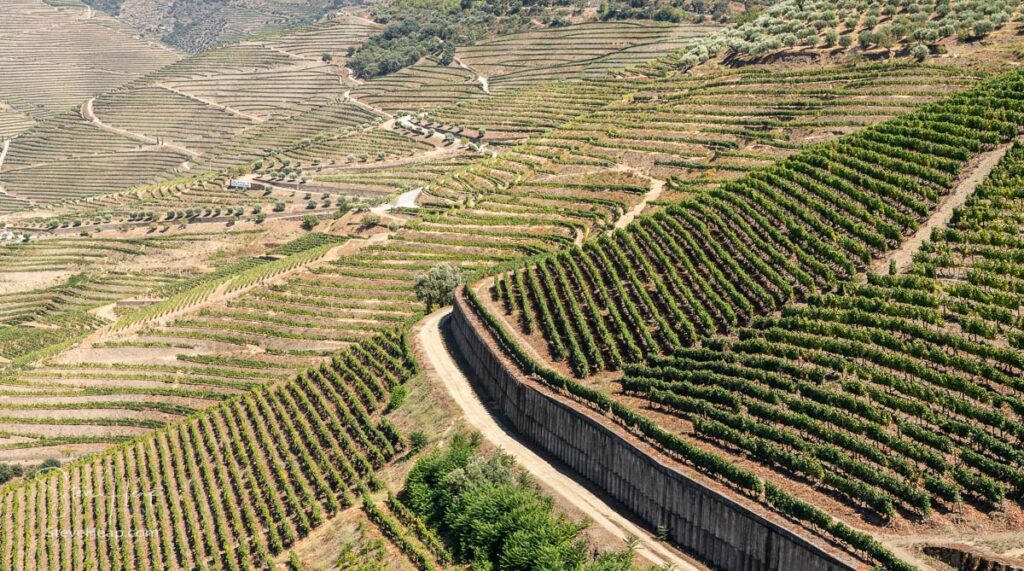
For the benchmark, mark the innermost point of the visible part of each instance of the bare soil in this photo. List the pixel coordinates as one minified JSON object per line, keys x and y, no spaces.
{"x":16,"y":282}
{"x":975,"y":174}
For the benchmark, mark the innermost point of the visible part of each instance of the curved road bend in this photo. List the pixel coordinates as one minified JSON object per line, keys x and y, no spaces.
{"x":440,"y":364}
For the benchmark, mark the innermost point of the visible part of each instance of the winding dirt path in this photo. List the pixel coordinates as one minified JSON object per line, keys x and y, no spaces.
{"x":976,"y":172}
{"x":656,"y":188}
{"x":440,"y":364}
{"x":347,"y":96}
{"x":214,"y":104}
{"x":3,"y":153}
{"x":482,"y":80}
{"x":90,"y":116}
{"x":352,"y":76}
{"x":106,"y":312}
{"x":282,"y":51}
{"x":404,"y":200}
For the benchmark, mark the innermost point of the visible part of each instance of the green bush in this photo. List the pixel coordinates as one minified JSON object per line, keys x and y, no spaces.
{"x":415,"y":29}
{"x":9,"y":471}
{"x":436,"y":288}
{"x":418,"y":441}
{"x":397,"y":397}
{"x":495,"y":518}
{"x":309,"y":222}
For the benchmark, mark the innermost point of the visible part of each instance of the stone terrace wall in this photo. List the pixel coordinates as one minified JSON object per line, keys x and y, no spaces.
{"x":703,"y":521}
{"x":964,"y":557}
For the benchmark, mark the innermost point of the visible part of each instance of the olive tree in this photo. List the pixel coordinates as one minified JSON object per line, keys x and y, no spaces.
{"x":436,"y":288}
{"x":920,"y":52}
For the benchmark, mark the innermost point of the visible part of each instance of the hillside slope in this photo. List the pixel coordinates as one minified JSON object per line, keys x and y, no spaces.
{"x":193,"y":26}
{"x":53,"y":59}
{"x":191,"y":347}
{"x":187,"y":114}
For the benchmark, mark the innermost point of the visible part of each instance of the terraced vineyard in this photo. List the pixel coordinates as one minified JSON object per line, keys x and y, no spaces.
{"x":426,"y":84}
{"x":717,"y":260}
{"x":13,"y":122}
{"x":210,"y":273}
{"x":229,"y":488}
{"x":525,"y":60}
{"x":44,"y":78}
{"x":587,"y":50}
{"x":221,"y":108}
{"x":896,"y":396}
{"x":900,"y":395}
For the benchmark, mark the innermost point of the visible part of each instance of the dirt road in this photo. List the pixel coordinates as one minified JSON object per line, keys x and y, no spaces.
{"x":214,"y":104}
{"x":89,"y":115}
{"x":352,"y":99}
{"x":441,"y":365}
{"x":483,"y":81}
{"x":976,"y":173}
{"x":656,"y":188}
{"x":3,"y":152}
{"x":404,"y":200}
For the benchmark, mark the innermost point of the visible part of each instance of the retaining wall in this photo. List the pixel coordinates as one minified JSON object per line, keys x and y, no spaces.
{"x":964,"y":558}
{"x":703,"y":521}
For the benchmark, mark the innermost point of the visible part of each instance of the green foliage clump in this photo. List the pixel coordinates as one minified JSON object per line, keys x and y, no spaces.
{"x":418,"y":28}
{"x":418,"y":441}
{"x":495,"y":518}
{"x":309,"y":222}
{"x":363,"y":555}
{"x":663,"y":10}
{"x":294,"y":563}
{"x":398,"y":397}
{"x":9,"y":471}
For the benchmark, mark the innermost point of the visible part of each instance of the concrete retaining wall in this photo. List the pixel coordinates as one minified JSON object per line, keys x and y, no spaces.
{"x":704,"y":522}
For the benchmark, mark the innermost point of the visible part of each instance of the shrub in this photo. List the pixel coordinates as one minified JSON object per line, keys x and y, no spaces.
{"x":9,"y":472}
{"x":418,"y":441}
{"x":397,"y":397}
{"x":983,"y":28}
{"x":309,"y":222}
{"x":370,"y":220}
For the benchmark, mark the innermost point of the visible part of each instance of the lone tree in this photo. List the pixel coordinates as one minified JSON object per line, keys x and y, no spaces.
{"x":309,"y":222}
{"x":436,"y":288}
